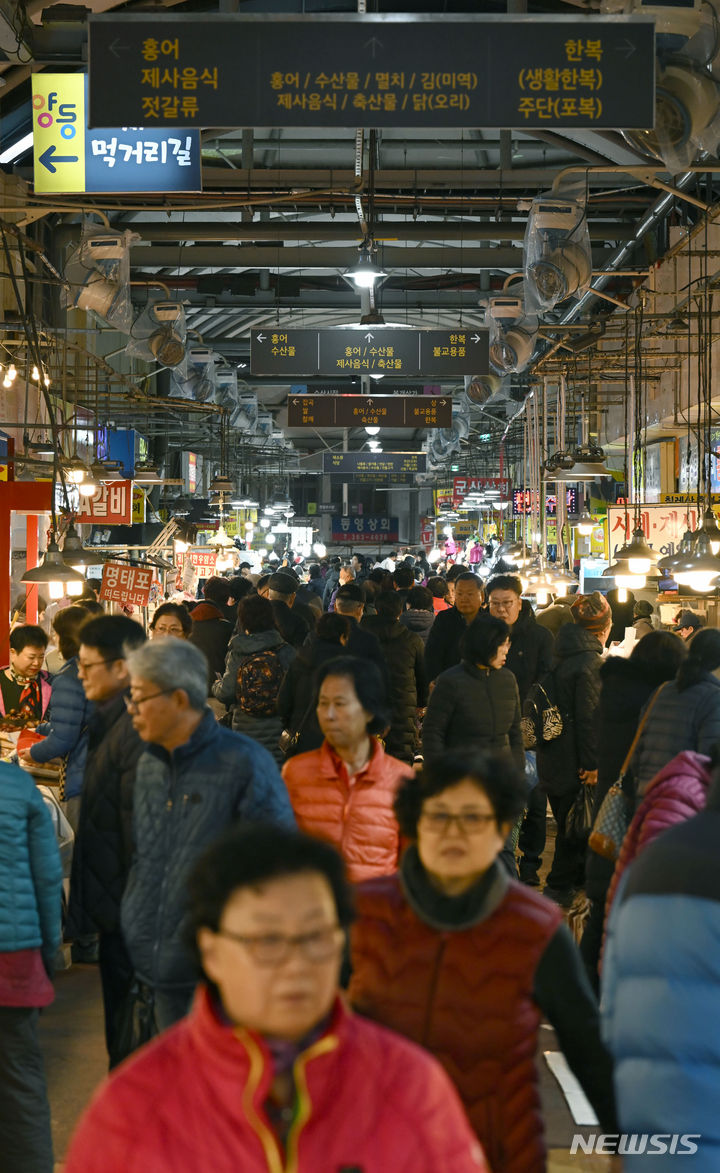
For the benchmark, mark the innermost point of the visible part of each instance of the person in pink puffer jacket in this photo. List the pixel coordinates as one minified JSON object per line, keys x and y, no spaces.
{"x":677,"y":793}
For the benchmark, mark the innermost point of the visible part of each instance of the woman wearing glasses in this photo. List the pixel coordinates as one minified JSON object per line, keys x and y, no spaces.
{"x":171,"y":619}
{"x":270,"y":1071}
{"x":460,"y":958}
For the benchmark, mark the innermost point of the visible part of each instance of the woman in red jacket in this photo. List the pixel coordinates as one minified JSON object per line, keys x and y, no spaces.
{"x":270,"y":1073}
{"x":344,"y":791}
{"x":462,"y":959}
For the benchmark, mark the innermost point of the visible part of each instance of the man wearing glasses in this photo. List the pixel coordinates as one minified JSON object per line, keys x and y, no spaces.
{"x":103,"y":843}
{"x":194,"y":779}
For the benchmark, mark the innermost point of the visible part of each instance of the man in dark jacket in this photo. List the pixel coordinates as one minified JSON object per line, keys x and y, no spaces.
{"x":443,"y":646}
{"x":103,"y":843}
{"x":293,"y":620}
{"x":193,"y":780}
{"x":529,"y":659}
{"x":332,"y":581}
{"x":405,"y":662}
{"x":572,"y":758}
{"x":350,"y":602}
{"x":211,"y":630}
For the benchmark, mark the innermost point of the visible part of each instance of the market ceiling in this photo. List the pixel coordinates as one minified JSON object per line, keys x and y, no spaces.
{"x":283,"y":212}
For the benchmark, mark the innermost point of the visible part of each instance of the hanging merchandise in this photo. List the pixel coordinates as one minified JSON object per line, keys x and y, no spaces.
{"x":557,"y":254}
{"x":159,"y":334}
{"x":98,"y":276}
{"x":513,"y":331}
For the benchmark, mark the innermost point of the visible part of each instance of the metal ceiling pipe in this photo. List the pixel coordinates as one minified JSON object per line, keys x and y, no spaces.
{"x":649,"y":220}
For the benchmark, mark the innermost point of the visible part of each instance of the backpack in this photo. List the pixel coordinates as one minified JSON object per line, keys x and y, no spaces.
{"x":258,"y":683}
{"x":541,"y":720}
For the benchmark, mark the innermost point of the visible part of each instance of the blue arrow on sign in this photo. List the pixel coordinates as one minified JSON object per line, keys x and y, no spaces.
{"x":49,"y":159}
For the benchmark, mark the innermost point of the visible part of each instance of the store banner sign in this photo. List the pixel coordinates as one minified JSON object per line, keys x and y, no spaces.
{"x":126,"y":584}
{"x":70,"y":157}
{"x":202,"y":558}
{"x":139,"y":502}
{"x":663,"y":526}
{"x":365,"y":529}
{"x":462,"y":486}
{"x":111,"y":503}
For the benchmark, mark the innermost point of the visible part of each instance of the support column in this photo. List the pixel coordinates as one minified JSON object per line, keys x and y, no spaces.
{"x":31,"y":561}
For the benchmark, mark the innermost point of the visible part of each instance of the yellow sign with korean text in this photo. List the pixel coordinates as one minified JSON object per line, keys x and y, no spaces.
{"x":138,"y":505}
{"x":58,"y":109}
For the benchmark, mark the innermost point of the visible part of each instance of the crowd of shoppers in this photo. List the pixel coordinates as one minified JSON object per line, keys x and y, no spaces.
{"x":224,"y":776}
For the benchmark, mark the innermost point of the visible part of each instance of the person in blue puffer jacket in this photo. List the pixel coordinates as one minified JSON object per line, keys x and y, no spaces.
{"x":194,"y":779}
{"x":660,"y":982}
{"x":30,"y":909}
{"x":66,"y":726}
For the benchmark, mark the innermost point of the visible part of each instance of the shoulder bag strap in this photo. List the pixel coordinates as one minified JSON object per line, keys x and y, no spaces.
{"x":638,"y":732}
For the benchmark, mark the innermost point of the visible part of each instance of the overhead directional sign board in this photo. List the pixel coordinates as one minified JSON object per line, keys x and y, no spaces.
{"x":353,"y":386}
{"x":369,"y":411}
{"x":375,"y":467}
{"x":393,"y":70}
{"x":383,"y":351}
{"x":71,"y":158}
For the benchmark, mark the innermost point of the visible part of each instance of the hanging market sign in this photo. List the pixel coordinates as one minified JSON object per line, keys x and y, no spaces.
{"x":365,"y":529}
{"x":112,"y":503}
{"x":663,"y":526}
{"x":394,"y":70}
{"x":462,"y":486}
{"x":126,"y":584}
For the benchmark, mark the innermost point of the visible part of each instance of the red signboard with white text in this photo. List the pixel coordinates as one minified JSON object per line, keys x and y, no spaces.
{"x":464,"y":485}
{"x":126,"y":584}
{"x":201,"y":557}
{"x":111,"y":503}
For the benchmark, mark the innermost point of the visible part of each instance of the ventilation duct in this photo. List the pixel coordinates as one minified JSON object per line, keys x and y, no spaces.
{"x":558,"y":259}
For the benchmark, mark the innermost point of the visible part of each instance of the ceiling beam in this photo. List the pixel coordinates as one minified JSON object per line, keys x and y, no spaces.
{"x":309,"y":257}
{"x":403,"y":179}
{"x":334,"y":231}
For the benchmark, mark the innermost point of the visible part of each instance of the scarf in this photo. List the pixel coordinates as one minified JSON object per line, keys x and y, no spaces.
{"x":450,"y":912}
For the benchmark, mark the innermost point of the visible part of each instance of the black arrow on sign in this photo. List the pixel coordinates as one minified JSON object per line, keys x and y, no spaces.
{"x":49,"y":159}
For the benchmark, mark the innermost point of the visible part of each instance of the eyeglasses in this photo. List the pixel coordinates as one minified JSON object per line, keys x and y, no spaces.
{"x":470,"y":822}
{"x":274,"y":949}
{"x":168,"y":630}
{"x":83,"y":666}
{"x":132,"y":704}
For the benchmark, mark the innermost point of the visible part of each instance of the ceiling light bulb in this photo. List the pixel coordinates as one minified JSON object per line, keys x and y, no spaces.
{"x":74,"y":588}
{"x":320,"y":549}
{"x":639,"y":565}
{"x":88,"y":486}
{"x":12,"y":373}
{"x":56,"y":589}
{"x":35,"y":373}
{"x":7,"y":382}
{"x":46,"y":380}
{"x":622,"y":595}
{"x":372,"y":431}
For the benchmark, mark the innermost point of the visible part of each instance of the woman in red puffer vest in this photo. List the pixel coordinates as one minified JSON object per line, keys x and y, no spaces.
{"x":462,"y":959}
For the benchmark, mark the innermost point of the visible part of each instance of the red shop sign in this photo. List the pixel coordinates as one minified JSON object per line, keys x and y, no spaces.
{"x":111,"y":503}
{"x":126,"y":584}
